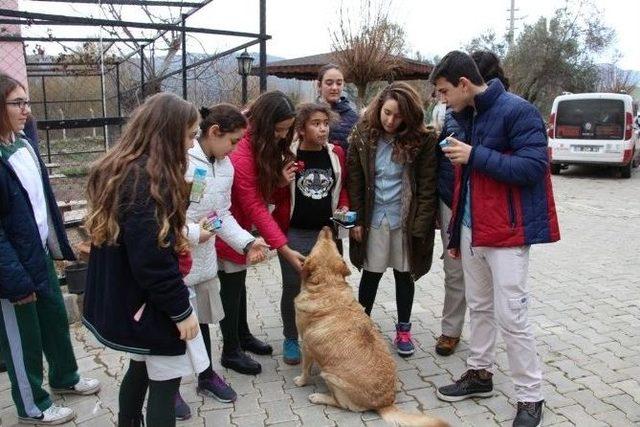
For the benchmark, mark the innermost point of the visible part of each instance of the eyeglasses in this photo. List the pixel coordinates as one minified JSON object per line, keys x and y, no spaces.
{"x":23,"y":104}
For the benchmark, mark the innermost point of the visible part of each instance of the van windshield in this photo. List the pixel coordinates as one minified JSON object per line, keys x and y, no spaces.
{"x":590,"y":119}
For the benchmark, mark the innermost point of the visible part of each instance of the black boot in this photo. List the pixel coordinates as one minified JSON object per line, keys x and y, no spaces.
{"x":255,"y":346}
{"x":125,"y":421}
{"x":240,"y":362}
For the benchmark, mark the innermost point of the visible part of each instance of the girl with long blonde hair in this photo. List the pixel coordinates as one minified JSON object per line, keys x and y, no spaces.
{"x":136,"y":300}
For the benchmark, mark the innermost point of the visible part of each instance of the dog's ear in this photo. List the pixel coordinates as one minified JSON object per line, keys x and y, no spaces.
{"x":344,"y":269}
{"x":307,"y":268}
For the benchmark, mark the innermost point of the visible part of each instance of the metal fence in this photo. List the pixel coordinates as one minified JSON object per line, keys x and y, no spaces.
{"x":82,"y":99}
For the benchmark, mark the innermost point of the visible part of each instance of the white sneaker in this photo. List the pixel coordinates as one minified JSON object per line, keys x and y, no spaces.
{"x":53,"y":416}
{"x":84,"y":387}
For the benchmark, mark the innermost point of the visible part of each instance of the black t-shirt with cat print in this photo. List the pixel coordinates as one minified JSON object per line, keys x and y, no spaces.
{"x":314,"y":183}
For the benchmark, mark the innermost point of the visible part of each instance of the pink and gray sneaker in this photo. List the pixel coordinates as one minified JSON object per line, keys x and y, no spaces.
{"x":403,"y":342}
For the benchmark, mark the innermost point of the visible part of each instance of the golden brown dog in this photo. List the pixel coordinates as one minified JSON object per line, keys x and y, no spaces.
{"x":353,"y":357}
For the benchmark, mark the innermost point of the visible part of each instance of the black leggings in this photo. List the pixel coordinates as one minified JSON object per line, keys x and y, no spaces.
{"x":206,"y":337}
{"x":405,"y":290}
{"x":233,"y":293}
{"x":160,"y":407}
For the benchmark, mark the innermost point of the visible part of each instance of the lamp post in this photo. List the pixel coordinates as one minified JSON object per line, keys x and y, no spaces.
{"x":245,"y":62}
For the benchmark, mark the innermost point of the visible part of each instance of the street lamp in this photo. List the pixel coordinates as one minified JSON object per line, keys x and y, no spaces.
{"x":245,"y":62}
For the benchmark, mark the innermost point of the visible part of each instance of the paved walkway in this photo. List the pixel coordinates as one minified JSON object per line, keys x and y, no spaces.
{"x":586,"y":312}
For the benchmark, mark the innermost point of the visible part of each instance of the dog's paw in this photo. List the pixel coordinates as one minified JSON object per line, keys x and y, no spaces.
{"x":316,"y":398}
{"x":300,"y":380}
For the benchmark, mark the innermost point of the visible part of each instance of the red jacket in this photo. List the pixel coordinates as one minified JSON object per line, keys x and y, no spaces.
{"x":185,"y":262}
{"x":284,"y":197}
{"x":248,"y":206}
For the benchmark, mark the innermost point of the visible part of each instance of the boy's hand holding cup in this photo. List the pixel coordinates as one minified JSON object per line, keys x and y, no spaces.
{"x":456,"y":151}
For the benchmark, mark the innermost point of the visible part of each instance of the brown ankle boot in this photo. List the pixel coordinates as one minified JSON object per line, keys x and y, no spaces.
{"x":446,"y":345}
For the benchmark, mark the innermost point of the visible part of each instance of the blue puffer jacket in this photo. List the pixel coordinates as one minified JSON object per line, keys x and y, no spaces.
{"x":446,"y":175}
{"x":23,"y":265}
{"x":508,"y":173}
{"x":339,"y":132}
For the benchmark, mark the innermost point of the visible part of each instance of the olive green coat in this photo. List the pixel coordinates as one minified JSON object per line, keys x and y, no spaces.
{"x":419,"y":203}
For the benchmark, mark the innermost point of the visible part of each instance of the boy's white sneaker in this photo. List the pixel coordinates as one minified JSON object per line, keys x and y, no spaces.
{"x":53,"y":416}
{"x":84,"y":387}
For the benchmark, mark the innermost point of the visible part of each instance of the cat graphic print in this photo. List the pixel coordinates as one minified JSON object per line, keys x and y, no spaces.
{"x":315,"y":183}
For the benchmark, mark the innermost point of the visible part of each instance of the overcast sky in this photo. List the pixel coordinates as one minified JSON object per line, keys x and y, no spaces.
{"x":301,"y":27}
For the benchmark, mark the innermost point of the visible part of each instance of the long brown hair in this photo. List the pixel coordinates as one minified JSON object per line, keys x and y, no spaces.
{"x":152,"y":143}
{"x":412,"y":129}
{"x":7,"y":85}
{"x":270,"y":155}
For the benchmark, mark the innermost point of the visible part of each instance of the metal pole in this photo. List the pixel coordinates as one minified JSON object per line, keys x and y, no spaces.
{"x":46,"y":117}
{"x":142,"y":71}
{"x":184,"y":57}
{"x":511,"y":22}
{"x":263,"y":46}
{"x":244,"y":90}
{"x":118,"y":90}
{"x":105,"y":132}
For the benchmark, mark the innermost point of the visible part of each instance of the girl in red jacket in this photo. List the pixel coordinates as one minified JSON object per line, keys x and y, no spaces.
{"x":307,"y":203}
{"x":263,"y":163}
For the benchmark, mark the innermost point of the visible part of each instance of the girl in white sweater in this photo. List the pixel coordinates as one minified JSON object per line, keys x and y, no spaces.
{"x":221,"y":127}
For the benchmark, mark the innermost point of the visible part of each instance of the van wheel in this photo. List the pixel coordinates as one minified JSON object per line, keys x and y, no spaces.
{"x":625,"y":171}
{"x":555,"y":168}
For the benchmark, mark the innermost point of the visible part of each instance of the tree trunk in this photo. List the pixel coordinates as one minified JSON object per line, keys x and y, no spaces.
{"x":362,"y":93}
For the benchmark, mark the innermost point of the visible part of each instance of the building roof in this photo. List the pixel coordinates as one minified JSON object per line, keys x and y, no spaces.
{"x":307,"y":67}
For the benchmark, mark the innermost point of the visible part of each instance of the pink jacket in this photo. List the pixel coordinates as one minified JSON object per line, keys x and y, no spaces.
{"x":247,"y":204}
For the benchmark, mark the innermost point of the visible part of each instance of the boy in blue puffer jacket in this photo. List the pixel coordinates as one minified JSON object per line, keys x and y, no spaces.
{"x":502,"y":204}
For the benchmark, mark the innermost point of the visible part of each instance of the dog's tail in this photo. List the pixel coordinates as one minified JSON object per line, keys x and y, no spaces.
{"x":393,"y":415}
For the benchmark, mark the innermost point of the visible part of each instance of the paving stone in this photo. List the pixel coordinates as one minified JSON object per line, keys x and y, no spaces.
{"x":607,"y":374}
{"x":499,"y":406}
{"x":426,"y":398}
{"x":248,"y":405}
{"x":249,"y":421}
{"x":561,"y":382}
{"x":626,"y":404}
{"x":410,"y":380}
{"x":598,"y":387}
{"x":482,"y":419}
{"x":631,"y":387}
{"x":279,"y":411}
{"x":554,"y":400}
{"x":591,"y":404}
{"x":313,"y":416}
{"x":448,"y":414}
{"x":571,"y":369}
{"x":346,"y":419}
{"x":577,"y":415}
{"x":104,"y":420}
{"x":217,"y":417}
{"x":615,"y":418}
{"x":271,"y":391}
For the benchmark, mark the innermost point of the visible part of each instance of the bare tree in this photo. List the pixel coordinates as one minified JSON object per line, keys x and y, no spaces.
{"x":368,"y":50}
{"x":616,"y":80}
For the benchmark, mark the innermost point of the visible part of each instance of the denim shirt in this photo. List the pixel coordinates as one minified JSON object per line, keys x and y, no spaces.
{"x":388,"y":187}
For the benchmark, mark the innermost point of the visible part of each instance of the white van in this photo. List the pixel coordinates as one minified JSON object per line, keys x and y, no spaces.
{"x":593,"y":128}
